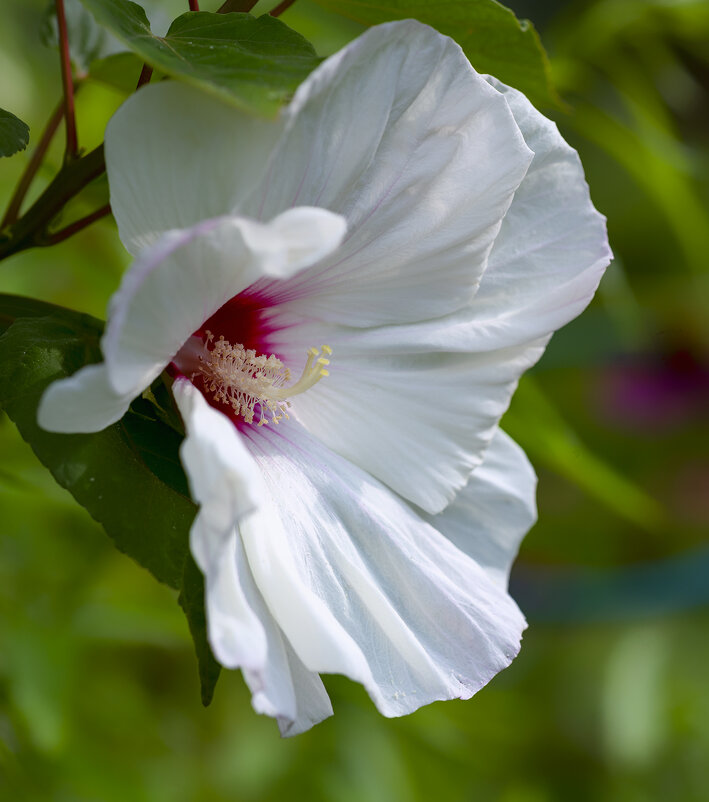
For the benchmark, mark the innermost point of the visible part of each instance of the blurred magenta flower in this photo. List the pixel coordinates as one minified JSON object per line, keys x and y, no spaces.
{"x":428,"y":228}
{"x":655,"y":393}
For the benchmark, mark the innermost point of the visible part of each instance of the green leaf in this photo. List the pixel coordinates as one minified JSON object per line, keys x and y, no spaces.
{"x":127,"y":476}
{"x":493,"y":39}
{"x":255,"y":63}
{"x":87,"y":41}
{"x":537,"y":426}
{"x":14,"y":134}
{"x":192,"y":602}
{"x":16,"y":306}
{"x":119,"y":70}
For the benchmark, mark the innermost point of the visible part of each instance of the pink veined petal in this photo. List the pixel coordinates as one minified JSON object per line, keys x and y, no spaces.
{"x":402,"y":137}
{"x":168,"y":293}
{"x":361,"y":585}
{"x":186,"y":276}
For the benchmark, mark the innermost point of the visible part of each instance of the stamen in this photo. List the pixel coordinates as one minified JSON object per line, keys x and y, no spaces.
{"x":242,"y":379}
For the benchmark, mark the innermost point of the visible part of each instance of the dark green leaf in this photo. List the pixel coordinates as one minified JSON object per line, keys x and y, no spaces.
{"x":493,"y":39}
{"x":192,"y":602}
{"x":16,"y":306}
{"x":127,"y":476}
{"x":255,"y":63}
{"x":87,"y":40}
{"x":14,"y":134}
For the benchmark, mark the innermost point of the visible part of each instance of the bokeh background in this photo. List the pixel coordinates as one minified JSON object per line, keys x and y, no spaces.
{"x":608,"y":700}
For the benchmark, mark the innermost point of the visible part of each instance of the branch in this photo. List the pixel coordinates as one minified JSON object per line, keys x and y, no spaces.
{"x":72,"y":145}
{"x":13,"y":210}
{"x":77,"y":225}
{"x":145,"y":75}
{"x":32,"y":228}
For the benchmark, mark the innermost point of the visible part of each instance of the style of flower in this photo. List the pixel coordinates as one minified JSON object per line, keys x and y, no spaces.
{"x":423,"y":230}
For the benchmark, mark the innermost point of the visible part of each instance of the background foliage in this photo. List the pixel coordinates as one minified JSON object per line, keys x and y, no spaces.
{"x":99,"y":697}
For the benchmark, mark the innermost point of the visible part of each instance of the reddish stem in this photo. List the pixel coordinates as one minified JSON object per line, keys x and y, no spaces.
{"x":194,"y":5}
{"x":145,"y":76}
{"x":281,"y":7}
{"x":77,"y":225}
{"x":72,"y":145}
{"x":31,"y":229}
{"x":13,"y":210}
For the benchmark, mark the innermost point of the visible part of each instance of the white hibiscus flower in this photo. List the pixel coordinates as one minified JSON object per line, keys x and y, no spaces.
{"x":430,"y":229}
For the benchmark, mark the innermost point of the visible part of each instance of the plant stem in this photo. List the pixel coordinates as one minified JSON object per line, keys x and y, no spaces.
{"x":32,"y":228}
{"x":145,"y":75}
{"x":13,"y":209}
{"x":281,"y":7}
{"x":77,"y":225}
{"x":72,"y":145}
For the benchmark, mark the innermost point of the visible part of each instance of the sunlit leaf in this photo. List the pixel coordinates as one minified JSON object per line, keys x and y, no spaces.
{"x":14,"y":134}
{"x":255,"y":63}
{"x":494,"y":40}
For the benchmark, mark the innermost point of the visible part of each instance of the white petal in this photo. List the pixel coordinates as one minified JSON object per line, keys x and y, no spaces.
{"x":226,"y":483}
{"x":84,"y":402}
{"x":416,"y":416}
{"x":220,"y":469}
{"x":296,"y":239}
{"x":552,"y":248}
{"x":176,"y":155}
{"x":397,"y":402}
{"x":221,"y":475}
{"x":235,"y":630}
{"x":181,"y":280}
{"x":222,"y":478}
{"x":360,"y":585}
{"x":312,"y":702}
{"x":283,"y":687}
{"x":495,"y":510}
{"x":402,"y":137}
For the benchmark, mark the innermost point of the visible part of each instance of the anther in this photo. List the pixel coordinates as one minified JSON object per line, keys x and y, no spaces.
{"x":242,"y":379}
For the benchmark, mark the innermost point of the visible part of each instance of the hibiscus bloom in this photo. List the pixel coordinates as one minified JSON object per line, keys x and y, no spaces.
{"x":346,"y":299}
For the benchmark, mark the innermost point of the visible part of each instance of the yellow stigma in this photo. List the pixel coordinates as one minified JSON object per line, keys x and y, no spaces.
{"x":239,"y":377}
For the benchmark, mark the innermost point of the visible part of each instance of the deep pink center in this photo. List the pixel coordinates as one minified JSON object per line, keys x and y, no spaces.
{"x":244,"y":320}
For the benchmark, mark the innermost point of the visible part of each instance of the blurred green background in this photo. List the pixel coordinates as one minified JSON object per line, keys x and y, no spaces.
{"x":608,"y":700}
